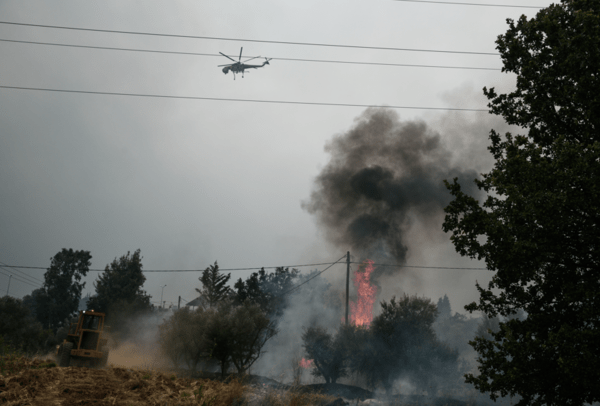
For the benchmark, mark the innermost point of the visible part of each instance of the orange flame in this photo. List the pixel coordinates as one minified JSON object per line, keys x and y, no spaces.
{"x":306,"y":363}
{"x":362,"y":309}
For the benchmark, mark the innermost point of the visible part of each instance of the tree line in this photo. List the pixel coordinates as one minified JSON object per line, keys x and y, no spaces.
{"x":400,"y":343}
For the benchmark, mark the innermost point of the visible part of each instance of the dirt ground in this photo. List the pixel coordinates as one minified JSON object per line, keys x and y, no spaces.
{"x":134,"y":378}
{"x":41,"y":382}
{"x":52,"y":385}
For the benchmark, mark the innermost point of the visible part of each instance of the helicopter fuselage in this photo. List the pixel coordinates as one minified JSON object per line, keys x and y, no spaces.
{"x":240,"y":67}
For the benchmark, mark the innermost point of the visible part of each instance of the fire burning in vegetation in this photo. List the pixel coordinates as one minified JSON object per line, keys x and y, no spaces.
{"x":306,"y":363}
{"x":362,"y":309}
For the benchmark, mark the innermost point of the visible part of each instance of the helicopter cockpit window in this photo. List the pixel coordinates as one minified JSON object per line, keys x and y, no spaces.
{"x":91,"y":322}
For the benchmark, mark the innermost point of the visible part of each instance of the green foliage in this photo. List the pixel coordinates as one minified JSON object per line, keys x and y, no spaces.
{"x":407,"y":346}
{"x":327,"y":353}
{"x":119,"y":291}
{"x":266,"y":289}
{"x":182,"y":338}
{"x":59,"y":298}
{"x":19,"y":330}
{"x":214,"y":286}
{"x":538,"y":229}
{"x":400,"y":343}
{"x":224,"y":333}
{"x":488,"y":327}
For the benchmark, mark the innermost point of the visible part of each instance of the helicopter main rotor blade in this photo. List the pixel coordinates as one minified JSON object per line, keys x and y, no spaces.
{"x":240,"y":54}
{"x":247,"y":60}
{"x":228,"y":57}
{"x":229,"y":64}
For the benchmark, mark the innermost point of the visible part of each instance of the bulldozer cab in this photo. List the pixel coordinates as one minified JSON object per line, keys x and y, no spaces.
{"x":85,"y":334}
{"x":86,"y":341}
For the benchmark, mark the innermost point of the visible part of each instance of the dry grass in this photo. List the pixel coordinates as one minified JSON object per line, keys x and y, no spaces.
{"x":294,"y":398}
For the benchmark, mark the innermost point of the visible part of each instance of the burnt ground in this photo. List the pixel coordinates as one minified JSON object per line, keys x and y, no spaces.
{"x":356,"y":393}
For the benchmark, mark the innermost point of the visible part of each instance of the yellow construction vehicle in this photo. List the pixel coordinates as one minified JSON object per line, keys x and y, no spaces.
{"x":86,"y":344}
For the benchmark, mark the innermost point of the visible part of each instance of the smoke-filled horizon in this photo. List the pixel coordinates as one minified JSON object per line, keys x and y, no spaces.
{"x":384,"y":175}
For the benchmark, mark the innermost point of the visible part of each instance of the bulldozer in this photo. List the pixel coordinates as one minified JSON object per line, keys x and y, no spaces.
{"x":86,"y":344}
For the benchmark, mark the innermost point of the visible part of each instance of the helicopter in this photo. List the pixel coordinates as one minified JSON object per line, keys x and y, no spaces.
{"x":239,"y":66}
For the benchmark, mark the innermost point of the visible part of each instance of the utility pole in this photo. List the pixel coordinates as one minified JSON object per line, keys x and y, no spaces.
{"x":161,"y":293}
{"x":9,"y":277}
{"x":179,"y":303}
{"x":347,"y":283}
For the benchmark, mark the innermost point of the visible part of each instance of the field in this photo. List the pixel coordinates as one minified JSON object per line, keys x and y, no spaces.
{"x":128,"y":382}
{"x":27,"y":381}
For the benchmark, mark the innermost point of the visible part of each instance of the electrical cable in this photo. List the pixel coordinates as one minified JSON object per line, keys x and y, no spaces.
{"x":248,"y":40}
{"x":425,"y":267}
{"x":194,"y":270}
{"x":309,"y":279}
{"x":19,"y":280}
{"x":274,"y":58}
{"x":469,"y":4}
{"x":274,"y":267}
{"x":238,"y":100}
{"x":21,"y":273}
{"x":22,"y":278}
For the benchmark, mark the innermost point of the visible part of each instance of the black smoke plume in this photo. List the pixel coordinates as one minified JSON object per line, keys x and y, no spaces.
{"x":384,"y":174}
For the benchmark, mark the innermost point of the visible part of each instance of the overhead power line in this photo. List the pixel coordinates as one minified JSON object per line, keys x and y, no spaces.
{"x":315,"y":44}
{"x":15,"y":277}
{"x":468,"y":4}
{"x":192,"y":270}
{"x":424,"y":267}
{"x":310,"y":279}
{"x":22,"y":276}
{"x":273,"y":267}
{"x":21,"y":273}
{"x":237,"y":100}
{"x":273,"y":58}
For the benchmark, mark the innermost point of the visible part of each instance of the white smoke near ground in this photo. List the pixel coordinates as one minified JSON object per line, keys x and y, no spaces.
{"x":315,"y":303}
{"x":140,"y":349}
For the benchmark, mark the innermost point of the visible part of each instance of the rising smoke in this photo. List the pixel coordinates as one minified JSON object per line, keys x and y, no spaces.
{"x":383,"y":176}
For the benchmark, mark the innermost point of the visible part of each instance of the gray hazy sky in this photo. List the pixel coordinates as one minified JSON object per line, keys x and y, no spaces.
{"x":192,"y":181}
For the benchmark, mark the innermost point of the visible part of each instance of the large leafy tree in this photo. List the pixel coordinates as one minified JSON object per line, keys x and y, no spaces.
{"x":327,"y":353}
{"x":59,"y":298}
{"x":267,"y":289}
{"x":224,"y":333}
{"x":18,"y":329}
{"x":119,"y":288}
{"x":539,"y":227}
{"x":407,"y":346}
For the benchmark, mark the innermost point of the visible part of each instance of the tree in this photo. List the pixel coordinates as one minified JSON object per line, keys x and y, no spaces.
{"x":18,"y":329}
{"x":443,"y":307}
{"x":182,"y":338}
{"x":539,"y":227}
{"x":62,"y":287}
{"x":119,"y":290}
{"x":407,"y":345}
{"x":327,"y":353}
{"x":223,"y":333}
{"x":214,"y":286}
{"x":251,"y":328}
{"x":37,"y":303}
{"x":267,"y":289}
